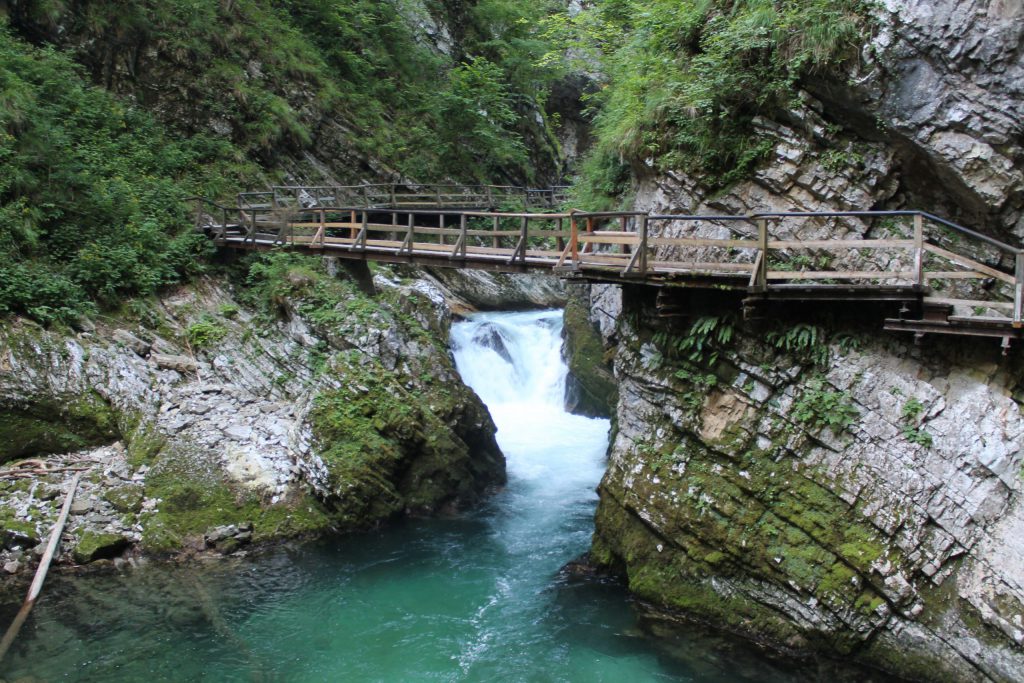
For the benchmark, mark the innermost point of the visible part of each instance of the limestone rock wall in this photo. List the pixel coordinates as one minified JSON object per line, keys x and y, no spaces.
{"x":224,"y":417}
{"x":854,"y":495}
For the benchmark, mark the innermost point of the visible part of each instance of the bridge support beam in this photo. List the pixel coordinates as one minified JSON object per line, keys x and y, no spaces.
{"x":357,"y":271}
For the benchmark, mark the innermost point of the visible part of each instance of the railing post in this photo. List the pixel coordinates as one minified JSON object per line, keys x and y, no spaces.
{"x":366,"y":197}
{"x":461,"y":246}
{"x":495,"y":240}
{"x":490,"y":198}
{"x":1018,"y":292}
{"x":410,"y":235}
{"x":919,"y":249}
{"x":574,"y":242}
{"x":323,"y":227}
{"x":524,"y":231}
{"x":560,"y":241}
{"x":440,"y":236}
{"x":642,"y":261}
{"x":394,"y":202}
{"x":364,"y":232}
{"x":761,"y":279}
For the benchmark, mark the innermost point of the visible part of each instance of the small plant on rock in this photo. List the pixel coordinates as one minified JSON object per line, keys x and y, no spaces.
{"x":912,"y":430}
{"x":205,"y":333}
{"x":821,"y":407}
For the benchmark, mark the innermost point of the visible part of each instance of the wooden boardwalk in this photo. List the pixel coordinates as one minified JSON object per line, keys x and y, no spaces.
{"x":938,"y":277}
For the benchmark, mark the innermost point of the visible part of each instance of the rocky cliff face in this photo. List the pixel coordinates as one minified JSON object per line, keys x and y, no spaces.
{"x":809,"y":483}
{"x":223,"y":423}
{"x":852,"y":495}
{"x":926,"y":119}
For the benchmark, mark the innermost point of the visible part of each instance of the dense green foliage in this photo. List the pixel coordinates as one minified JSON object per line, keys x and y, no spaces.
{"x":91,"y":194}
{"x":686,"y":80}
{"x":113,"y":113}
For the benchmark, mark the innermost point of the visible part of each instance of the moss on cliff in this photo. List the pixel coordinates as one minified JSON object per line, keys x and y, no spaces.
{"x":56,"y":425}
{"x":590,"y":387}
{"x":193,"y":496}
{"x":387,"y":451}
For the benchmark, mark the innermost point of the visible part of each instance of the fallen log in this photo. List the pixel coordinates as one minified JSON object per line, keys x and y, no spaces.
{"x":44,"y":567}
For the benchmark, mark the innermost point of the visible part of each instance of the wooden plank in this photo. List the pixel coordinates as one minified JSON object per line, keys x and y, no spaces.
{"x":436,"y":231}
{"x":682,"y":266}
{"x":603,"y":238}
{"x":840,"y":244}
{"x":701,"y":242}
{"x":980,"y":319}
{"x":44,"y":566}
{"x":955,"y":275}
{"x":563,"y":234}
{"x":489,"y":214}
{"x":543,"y":253}
{"x":969,"y":263}
{"x":755,"y":268}
{"x":998,"y":305}
{"x":604,"y":257}
{"x":839,"y":275}
{"x":327,"y":224}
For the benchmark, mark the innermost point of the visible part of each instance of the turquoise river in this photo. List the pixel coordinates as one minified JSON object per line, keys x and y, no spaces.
{"x":475,"y":597}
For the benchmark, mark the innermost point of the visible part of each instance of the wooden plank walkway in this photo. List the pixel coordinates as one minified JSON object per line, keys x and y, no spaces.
{"x":955,"y":280}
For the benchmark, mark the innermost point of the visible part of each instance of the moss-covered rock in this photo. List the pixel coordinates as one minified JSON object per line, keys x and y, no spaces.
{"x":590,"y":387}
{"x":387,"y":451}
{"x":97,"y":546}
{"x":125,"y":498}
{"x":55,"y":425}
{"x":16,"y":532}
{"x":777,"y":494}
{"x":194,"y":496}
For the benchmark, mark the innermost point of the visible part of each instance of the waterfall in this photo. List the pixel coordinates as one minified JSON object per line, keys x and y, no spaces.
{"x":514,"y":363}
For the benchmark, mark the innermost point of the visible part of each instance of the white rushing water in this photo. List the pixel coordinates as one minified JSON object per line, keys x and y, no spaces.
{"x":513,"y":362}
{"x":474,"y":598}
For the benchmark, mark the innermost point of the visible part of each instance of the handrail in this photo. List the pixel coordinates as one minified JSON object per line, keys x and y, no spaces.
{"x":881,"y":214}
{"x":576,"y":240}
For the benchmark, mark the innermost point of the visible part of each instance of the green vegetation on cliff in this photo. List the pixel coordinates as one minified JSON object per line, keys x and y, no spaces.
{"x":112,"y":114}
{"x":685,"y":82}
{"x":91,"y":197}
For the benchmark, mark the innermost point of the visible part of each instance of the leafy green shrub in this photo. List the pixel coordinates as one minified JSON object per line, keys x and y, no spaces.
{"x":806,"y":342}
{"x":686,"y":80}
{"x":707,"y":337}
{"x":91,"y":197}
{"x":820,"y":407}
{"x":205,"y":333}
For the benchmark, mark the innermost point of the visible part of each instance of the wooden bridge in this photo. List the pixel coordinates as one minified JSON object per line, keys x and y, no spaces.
{"x":933,"y":276}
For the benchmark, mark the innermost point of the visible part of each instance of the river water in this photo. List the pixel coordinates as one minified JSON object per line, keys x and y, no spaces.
{"x":477,"y":597}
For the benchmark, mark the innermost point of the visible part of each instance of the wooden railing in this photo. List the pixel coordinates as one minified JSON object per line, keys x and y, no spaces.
{"x":407,"y":196}
{"x":763,"y":253}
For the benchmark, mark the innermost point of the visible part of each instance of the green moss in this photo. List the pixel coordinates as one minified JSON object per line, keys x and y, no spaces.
{"x":385,"y":450}
{"x":92,"y":546}
{"x":56,"y":426}
{"x":16,"y":531}
{"x":195,"y":497}
{"x":143,"y":443}
{"x":125,"y":498}
{"x":591,"y":385}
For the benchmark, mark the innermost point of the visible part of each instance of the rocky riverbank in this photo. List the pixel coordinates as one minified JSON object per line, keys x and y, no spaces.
{"x":214,"y":417}
{"x":821,"y":490}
